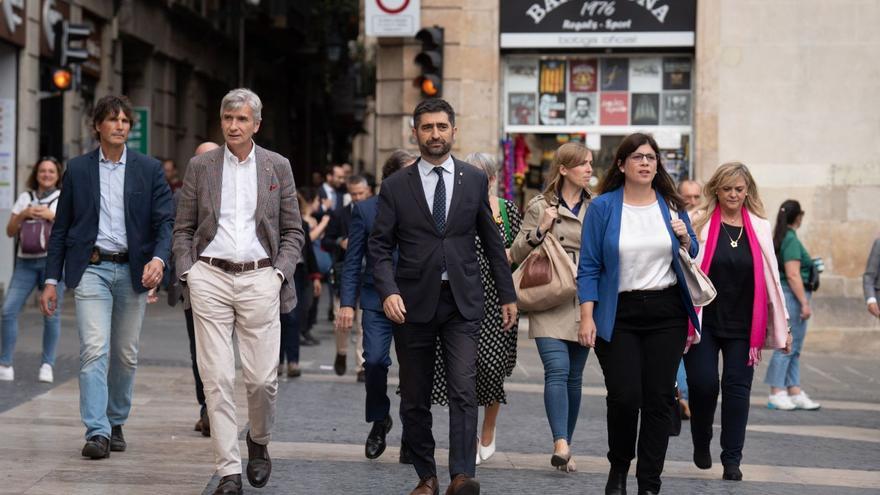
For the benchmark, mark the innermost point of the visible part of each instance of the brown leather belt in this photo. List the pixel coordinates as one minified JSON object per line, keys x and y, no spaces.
{"x":232,"y":267}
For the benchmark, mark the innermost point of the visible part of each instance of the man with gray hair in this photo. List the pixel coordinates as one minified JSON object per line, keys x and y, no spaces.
{"x":237,"y":240}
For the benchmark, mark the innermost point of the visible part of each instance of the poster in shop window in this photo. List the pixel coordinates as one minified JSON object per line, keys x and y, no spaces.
{"x":645,"y":109}
{"x":521,"y":109}
{"x":583,"y":76}
{"x":614,"y":74}
{"x":676,"y":108}
{"x":582,"y":108}
{"x":522,"y":75}
{"x":551,"y":108}
{"x":551,"y":86}
{"x":677,"y":73}
{"x":614,"y":108}
{"x":645,"y":75}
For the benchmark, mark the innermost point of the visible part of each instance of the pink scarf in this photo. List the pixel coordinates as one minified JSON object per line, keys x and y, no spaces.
{"x":759,"y":308}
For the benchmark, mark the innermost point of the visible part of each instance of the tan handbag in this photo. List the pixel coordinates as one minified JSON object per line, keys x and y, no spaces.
{"x":546,"y":278}
{"x":702,"y":290}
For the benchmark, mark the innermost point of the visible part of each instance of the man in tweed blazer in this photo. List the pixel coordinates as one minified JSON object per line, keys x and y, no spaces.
{"x":237,"y":240}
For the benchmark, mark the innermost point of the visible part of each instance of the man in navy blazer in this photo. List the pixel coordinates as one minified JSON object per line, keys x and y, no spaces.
{"x":111,"y":240}
{"x":358,"y":288}
{"x":431,"y":213}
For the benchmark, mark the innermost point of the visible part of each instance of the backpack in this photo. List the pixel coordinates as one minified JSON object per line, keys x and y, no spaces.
{"x":34,"y":235}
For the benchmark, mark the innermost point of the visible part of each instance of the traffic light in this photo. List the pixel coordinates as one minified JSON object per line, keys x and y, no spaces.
{"x":62,"y":79}
{"x":430,"y":59}
{"x":70,"y":43}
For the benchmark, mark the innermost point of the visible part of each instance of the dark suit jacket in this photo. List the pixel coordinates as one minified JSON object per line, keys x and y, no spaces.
{"x":355,"y":274}
{"x":278,"y":223}
{"x":148,"y":217}
{"x":404,"y":221}
{"x":337,"y":229}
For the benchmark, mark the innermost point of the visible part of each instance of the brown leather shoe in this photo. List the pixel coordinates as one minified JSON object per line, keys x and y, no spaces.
{"x":427,"y":486}
{"x":463,"y":484}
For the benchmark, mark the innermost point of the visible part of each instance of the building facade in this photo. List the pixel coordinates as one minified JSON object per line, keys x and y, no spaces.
{"x":771,"y":84}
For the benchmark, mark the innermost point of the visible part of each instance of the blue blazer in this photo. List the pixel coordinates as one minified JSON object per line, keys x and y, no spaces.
{"x":357,"y":275}
{"x":148,"y":217}
{"x":598,"y":275}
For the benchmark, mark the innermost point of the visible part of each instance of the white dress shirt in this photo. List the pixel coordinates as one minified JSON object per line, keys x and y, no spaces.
{"x":429,"y":184}
{"x":236,"y":238}
{"x":645,"y":249}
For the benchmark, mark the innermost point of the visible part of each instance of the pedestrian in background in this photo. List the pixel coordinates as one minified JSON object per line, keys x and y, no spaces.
{"x":496,"y":355}
{"x":871,"y":279}
{"x":784,"y":374}
{"x":316,"y":228}
{"x":30,"y":224}
{"x":358,"y":291}
{"x":112,"y":244}
{"x":561,"y":210}
{"x":691,"y":192}
{"x":635,"y":299}
{"x":747,"y":314}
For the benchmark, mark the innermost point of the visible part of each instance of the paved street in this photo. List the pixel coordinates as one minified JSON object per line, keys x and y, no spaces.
{"x":317,"y":446}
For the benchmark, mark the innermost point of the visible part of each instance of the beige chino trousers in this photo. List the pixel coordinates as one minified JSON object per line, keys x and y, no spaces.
{"x":248,"y":303}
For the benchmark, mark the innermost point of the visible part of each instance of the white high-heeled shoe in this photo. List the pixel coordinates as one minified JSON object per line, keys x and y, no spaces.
{"x":485,"y":452}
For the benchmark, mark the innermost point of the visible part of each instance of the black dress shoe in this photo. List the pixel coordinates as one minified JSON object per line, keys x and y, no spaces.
{"x":648,"y":492}
{"x":376,"y":439}
{"x":206,"y":422}
{"x":404,"y":457}
{"x":96,"y":447}
{"x":259,"y":466}
{"x":616,"y":484}
{"x":732,"y":473}
{"x":702,"y":457}
{"x":339,"y":364}
{"x":229,"y":485}
{"x":117,"y":439}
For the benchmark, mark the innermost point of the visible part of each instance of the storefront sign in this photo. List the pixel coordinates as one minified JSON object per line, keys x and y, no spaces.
{"x":92,"y":66}
{"x":51,"y":12}
{"x":139,"y":137}
{"x":392,"y":18}
{"x":12,"y":21}
{"x":588,"y":23}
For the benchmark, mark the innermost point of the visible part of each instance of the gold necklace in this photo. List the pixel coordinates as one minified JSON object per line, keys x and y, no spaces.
{"x":733,"y":242}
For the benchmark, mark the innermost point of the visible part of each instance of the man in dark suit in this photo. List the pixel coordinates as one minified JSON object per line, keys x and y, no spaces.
{"x":335,"y":242}
{"x":358,"y":289}
{"x":432,"y":213}
{"x":112,"y":237}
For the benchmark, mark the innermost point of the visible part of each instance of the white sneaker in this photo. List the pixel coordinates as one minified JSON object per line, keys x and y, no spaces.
{"x":7,"y":374}
{"x":802,"y":401}
{"x":46,"y":373}
{"x":781,"y":401}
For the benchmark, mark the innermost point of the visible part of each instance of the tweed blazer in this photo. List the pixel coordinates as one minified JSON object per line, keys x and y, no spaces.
{"x":871,"y":277}
{"x":279,"y":225}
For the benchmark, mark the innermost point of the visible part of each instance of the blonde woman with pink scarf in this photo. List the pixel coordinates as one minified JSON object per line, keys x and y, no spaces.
{"x":748,"y":315}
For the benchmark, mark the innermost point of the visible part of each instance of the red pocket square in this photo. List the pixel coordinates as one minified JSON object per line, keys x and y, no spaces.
{"x":273,"y":187}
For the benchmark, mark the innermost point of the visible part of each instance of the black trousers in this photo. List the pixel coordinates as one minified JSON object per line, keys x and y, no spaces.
{"x":640,"y":364}
{"x":701,"y":363}
{"x":191,"y":333}
{"x":414,"y":343}
{"x":291,"y":321}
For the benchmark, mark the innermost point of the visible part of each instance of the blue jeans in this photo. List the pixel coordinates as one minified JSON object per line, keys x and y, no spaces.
{"x":784,"y":370}
{"x":682,"y":380}
{"x":377,"y":360}
{"x":564,"y":363}
{"x":109,"y":314}
{"x":29,"y":274}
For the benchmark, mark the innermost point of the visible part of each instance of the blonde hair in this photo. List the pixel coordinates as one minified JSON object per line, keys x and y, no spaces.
{"x":569,"y":155}
{"x":724,"y":175}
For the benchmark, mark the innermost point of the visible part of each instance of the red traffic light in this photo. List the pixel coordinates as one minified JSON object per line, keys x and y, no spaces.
{"x":61,"y":79}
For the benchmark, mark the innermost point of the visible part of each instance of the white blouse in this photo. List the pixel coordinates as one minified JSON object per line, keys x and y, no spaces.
{"x":645,"y":249}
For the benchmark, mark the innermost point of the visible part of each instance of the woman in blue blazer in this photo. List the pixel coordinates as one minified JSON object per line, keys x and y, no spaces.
{"x":633,"y":296}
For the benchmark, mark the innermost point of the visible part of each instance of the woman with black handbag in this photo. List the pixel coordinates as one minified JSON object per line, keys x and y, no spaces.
{"x":557,"y":216}
{"x":634,"y":296}
{"x":799,"y":280}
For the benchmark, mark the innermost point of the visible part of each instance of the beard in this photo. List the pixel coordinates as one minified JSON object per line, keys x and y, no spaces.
{"x":427,"y":150}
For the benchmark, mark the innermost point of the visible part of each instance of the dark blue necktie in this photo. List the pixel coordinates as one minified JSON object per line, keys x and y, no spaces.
{"x":440,"y":201}
{"x":440,"y":210}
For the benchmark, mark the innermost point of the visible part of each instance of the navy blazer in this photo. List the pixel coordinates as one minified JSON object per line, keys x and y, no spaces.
{"x":598,"y":277}
{"x":357,"y":275}
{"x":148,"y":217}
{"x":404,"y":222}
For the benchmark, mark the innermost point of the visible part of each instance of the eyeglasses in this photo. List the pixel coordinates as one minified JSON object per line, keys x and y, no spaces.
{"x":638,"y":157}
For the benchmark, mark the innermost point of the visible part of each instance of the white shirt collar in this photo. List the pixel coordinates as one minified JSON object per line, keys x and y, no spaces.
{"x":231,"y":158}
{"x":425,"y":167}
{"x":122,"y":159}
